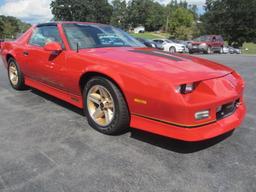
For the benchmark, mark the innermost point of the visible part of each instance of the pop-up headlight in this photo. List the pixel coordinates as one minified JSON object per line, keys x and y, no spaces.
{"x":186,"y":88}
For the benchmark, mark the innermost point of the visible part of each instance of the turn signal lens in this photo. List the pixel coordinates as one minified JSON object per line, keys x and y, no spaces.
{"x":202,"y":115}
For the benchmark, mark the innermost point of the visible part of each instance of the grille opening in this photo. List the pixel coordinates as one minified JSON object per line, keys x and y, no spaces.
{"x":227,"y":109}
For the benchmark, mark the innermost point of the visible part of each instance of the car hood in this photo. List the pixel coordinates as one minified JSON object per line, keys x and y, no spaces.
{"x":158,"y":64}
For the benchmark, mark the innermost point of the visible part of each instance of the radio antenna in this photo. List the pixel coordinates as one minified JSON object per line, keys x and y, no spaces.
{"x":77,"y":47}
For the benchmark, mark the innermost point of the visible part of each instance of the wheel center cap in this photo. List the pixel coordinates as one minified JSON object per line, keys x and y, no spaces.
{"x":102,"y":105}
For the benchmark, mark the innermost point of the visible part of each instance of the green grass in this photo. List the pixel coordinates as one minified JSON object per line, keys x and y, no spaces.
{"x":251,"y":48}
{"x":150,"y":35}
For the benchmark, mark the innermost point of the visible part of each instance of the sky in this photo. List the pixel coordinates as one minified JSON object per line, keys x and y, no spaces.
{"x":38,"y":11}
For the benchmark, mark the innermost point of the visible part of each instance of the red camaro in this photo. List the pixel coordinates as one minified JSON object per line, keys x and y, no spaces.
{"x":120,"y":83}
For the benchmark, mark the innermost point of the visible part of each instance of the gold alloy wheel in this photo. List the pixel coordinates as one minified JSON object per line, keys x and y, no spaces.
{"x":100,"y":105}
{"x":13,"y":74}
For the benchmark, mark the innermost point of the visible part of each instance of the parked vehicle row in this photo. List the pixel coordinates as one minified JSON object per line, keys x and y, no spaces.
{"x":207,"y":44}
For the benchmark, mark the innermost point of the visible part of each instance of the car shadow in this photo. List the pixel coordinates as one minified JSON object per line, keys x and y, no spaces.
{"x":150,"y":138}
{"x":174,"y":145}
{"x":66,"y":105}
{"x":58,"y":101}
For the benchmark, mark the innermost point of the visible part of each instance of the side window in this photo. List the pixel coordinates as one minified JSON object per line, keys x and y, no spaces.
{"x":45,"y":34}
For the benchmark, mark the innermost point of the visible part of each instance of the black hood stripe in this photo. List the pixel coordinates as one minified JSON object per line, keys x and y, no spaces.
{"x":154,"y":53}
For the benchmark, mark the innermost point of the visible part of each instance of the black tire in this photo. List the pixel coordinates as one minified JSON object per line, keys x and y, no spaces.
{"x":172,"y":50}
{"x":121,"y":118}
{"x":21,"y":82}
{"x":191,"y":52}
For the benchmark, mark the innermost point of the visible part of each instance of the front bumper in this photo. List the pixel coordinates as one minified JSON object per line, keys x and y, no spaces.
{"x":197,"y":49}
{"x":180,"y":49}
{"x":199,"y":133}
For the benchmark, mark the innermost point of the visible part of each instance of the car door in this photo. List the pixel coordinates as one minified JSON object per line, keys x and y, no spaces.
{"x":44,"y":66}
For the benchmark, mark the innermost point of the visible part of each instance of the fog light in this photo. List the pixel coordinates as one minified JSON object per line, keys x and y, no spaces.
{"x":202,"y":115}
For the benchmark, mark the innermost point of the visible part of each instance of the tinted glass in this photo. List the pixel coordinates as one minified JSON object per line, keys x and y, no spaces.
{"x":45,"y":34}
{"x":97,"y":36}
{"x":203,"y":38}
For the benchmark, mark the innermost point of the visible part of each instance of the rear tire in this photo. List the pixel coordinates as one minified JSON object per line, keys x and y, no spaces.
{"x":15,"y":75}
{"x":105,"y":106}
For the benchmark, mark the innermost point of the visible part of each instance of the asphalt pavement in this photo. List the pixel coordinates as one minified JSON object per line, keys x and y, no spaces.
{"x":46,"y":145}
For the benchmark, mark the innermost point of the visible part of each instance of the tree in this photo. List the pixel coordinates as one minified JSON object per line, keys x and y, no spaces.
{"x":146,"y":12}
{"x":99,"y":11}
{"x":181,"y":23}
{"x":234,"y":19}
{"x":119,"y":15}
{"x":1,"y":25}
{"x":11,"y":26}
{"x":155,"y":19}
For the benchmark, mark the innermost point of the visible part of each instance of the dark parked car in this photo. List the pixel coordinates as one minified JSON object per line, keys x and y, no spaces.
{"x":149,"y":43}
{"x":1,"y":40}
{"x":207,"y":44}
{"x":233,"y":50}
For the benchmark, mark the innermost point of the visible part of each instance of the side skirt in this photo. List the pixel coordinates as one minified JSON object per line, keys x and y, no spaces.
{"x":60,"y":94}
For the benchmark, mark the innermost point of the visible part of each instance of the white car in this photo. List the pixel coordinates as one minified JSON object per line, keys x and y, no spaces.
{"x":225,"y":50}
{"x":170,"y":46}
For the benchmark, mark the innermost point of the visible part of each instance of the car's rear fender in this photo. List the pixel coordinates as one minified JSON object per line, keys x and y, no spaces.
{"x":7,"y":52}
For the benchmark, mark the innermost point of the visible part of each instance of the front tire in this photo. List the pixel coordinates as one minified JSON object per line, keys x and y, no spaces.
{"x":221,"y":50}
{"x":15,"y":75}
{"x":172,"y":50}
{"x":208,"y":50}
{"x":105,"y":106}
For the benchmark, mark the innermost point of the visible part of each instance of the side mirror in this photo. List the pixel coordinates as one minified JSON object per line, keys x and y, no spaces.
{"x":53,"y":46}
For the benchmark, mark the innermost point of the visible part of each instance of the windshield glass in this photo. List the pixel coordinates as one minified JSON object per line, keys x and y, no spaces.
{"x":203,"y":38}
{"x":168,"y":41}
{"x":98,"y":36}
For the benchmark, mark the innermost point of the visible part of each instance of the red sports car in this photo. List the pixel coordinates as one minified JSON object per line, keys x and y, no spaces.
{"x":120,"y":83}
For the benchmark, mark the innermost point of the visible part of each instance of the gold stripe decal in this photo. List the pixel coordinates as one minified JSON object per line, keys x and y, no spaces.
{"x":140,"y":101}
{"x":173,"y":123}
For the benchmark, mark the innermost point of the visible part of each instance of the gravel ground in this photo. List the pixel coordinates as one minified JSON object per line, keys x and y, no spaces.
{"x":46,"y":145}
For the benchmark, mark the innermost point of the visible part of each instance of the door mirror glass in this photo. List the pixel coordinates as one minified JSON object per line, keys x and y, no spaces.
{"x":53,"y":46}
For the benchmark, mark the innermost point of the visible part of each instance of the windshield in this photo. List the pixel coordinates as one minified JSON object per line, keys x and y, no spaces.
{"x":168,"y":41}
{"x":203,"y":38}
{"x":98,"y":36}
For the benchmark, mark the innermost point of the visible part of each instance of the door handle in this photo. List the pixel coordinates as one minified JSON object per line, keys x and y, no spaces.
{"x":25,"y":53}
